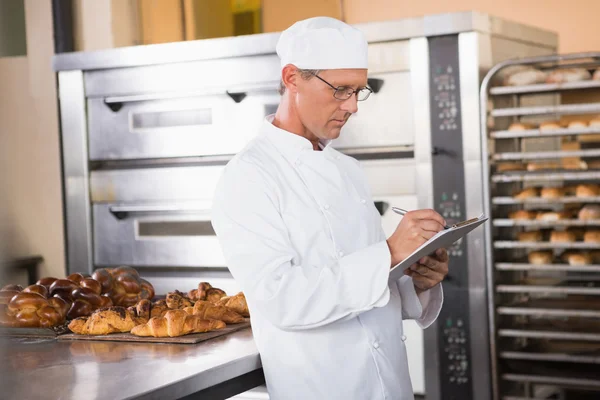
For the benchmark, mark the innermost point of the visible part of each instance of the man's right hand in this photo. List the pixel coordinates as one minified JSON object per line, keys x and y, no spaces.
{"x":416,"y":228}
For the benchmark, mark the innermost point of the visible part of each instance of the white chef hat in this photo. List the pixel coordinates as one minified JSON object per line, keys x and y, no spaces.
{"x":323,"y":43}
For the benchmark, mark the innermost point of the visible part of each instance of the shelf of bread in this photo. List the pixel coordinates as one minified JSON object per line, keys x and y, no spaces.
{"x":561,"y":109}
{"x":544,"y":224}
{"x":544,"y":356}
{"x":561,"y":311}
{"x":509,"y":244}
{"x":553,"y":380}
{"x":547,"y":155}
{"x":537,"y":133}
{"x":557,"y":289}
{"x":506,"y":200}
{"x":547,"y":267}
{"x":544,"y":87}
{"x":533,"y":176}
{"x":549,"y":334}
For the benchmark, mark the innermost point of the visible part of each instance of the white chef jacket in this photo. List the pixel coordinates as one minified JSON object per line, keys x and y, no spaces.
{"x":301,"y":235}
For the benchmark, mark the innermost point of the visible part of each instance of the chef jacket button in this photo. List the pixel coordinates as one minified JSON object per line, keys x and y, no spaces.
{"x":326,"y":206}
{"x":376,"y":345}
{"x":337,"y":157}
{"x":403,"y":338}
{"x":363,"y":201}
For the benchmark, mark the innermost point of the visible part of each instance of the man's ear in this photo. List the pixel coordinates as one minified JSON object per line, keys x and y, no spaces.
{"x":289,"y":76}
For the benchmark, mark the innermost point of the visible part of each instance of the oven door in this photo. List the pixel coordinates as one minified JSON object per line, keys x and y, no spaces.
{"x":175,"y":234}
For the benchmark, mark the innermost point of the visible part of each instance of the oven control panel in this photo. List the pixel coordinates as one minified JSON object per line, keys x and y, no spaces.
{"x":449,"y":200}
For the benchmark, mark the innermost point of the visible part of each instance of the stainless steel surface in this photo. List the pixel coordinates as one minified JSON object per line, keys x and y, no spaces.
{"x":375,"y":125}
{"x":49,"y":369}
{"x":156,"y":238}
{"x":547,"y":155}
{"x":556,"y":357}
{"x":546,"y":312}
{"x":545,"y":224}
{"x":549,"y":267}
{"x":265,"y":43}
{"x":541,"y":201}
{"x":564,"y":109}
{"x":546,"y":176}
{"x":552,"y":380}
{"x":176,"y":127}
{"x":543,"y":87}
{"x":472,"y":46}
{"x":507,"y":244}
{"x":522,"y":333}
{"x":78,"y":222}
{"x":534,"y":133}
{"x":547,"y":289}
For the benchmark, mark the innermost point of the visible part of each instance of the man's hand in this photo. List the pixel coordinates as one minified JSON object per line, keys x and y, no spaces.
{"x":429,"y":271}
{"x":416,"y":228}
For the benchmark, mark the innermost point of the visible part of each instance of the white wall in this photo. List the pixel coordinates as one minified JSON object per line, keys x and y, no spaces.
{"x":31,"y":220}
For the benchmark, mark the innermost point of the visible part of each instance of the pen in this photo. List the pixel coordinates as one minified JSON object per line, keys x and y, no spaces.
{"x":402,"y":212}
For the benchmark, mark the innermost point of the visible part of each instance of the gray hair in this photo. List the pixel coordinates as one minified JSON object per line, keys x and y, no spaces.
{"x":305,"y":74}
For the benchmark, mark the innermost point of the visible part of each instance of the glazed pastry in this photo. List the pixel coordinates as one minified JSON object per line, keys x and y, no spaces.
{"x":176,"y":323}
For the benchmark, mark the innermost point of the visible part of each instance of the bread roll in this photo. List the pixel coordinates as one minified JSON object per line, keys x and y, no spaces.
{"x":577,"y":124}
{"x":596,"y":75}
{"x":562,"y":237}
{"x":552,"y":193}
{"x":542,"y":166}
{"x":575,"y":258}
{"x":527,"y":193}
{"x":568,"y":75}
{"x":587,"y":190}
{"x":595,"y":123}
{"x":589,"y":212}
{"x":522,"y":215}
{"x":594,"y":164}
{"x":553,"y":216}
{"x":526,"y":77}
{"x":592,"y":236}
{"x":550,"y":126}
{"x":510,"y":166}
{"x":520,"y":126}
{"x":533,"y":236}
{"x":540,"y":257}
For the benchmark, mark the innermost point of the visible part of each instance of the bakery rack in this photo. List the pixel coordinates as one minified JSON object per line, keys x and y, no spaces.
{"x":544,"y":319}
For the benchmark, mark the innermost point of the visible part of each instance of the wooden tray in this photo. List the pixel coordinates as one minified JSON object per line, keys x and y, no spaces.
{"x":187,"y":339}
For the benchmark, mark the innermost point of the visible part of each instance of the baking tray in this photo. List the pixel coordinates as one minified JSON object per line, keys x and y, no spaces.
{"x":187,"y":339}
{"x":34,"y":332}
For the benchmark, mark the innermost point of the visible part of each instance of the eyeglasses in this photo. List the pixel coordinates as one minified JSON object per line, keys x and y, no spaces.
{"x":345,"y":92}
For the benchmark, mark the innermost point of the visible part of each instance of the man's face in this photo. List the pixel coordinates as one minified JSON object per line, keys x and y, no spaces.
{"x":321,"y":113}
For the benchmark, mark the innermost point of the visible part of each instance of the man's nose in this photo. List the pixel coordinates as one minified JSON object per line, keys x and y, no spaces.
{"x":350,"y":105}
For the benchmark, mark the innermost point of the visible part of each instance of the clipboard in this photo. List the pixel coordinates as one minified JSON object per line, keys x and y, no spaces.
{"x":442,"y":239}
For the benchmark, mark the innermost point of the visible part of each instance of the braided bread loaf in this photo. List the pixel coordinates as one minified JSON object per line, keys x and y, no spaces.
{"x":105,"y":321}
{"x":31,"y":309}
{"x":207,"y":310}
{"x":123,"y":285}
{"x":206,"y":292}
{"x":176,"y":323}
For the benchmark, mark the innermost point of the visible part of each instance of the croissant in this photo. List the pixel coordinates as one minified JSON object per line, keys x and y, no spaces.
{"x":176,"y":323}
{"x":207,"y":310}
{"x":105,"y":321}
{"x":236,"y":303}
{"x":159,"y":308}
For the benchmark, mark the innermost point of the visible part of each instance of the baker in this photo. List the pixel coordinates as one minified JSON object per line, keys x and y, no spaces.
{"x":301,"y":235}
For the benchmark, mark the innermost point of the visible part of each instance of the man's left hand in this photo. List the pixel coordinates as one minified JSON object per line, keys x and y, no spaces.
{"x":429,"y":271}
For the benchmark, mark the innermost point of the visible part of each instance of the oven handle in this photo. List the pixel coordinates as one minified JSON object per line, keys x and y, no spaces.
{"x":237,"y":93}
{"x":121,"y":212}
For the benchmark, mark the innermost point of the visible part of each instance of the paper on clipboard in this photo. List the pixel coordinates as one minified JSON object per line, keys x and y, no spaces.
{"x":442,"y":239}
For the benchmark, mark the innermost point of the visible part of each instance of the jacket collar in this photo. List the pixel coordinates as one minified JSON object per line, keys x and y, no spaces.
{"x":289,"y":144}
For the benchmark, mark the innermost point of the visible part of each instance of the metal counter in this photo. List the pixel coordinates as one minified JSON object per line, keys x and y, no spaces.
{"x":32,"y":368}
